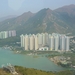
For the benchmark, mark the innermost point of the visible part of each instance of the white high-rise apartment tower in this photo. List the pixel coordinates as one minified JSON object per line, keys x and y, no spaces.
{"x":62,"y":43}
{"x":36,"y":42}
{"x":22,"y":40}
{"x":31,"y":42}
{"x":40,"y":40}
{"x":26,"y":42}
{"x":51,"y":42}
{"x":67,"y":43}
{"x":56,"y":42}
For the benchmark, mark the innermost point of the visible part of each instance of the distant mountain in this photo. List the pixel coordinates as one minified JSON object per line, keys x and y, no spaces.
{"x":7,"y":17}
{"x":67,"y":14}
{"x":15,"y":23}
{"x":61,"y":20}
{"x":24,"y":17}
{"x":46,"y":21}
{"x":69,"y":9}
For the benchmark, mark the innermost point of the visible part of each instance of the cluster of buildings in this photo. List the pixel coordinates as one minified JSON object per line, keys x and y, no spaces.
{"x":45,"y":41}
{"x":6,"y":34}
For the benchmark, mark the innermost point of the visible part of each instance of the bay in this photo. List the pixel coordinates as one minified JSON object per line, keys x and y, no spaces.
{"x":29,"y":61}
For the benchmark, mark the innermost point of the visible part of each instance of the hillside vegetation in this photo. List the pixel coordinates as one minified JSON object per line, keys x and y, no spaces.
{"x":11,"y":41}
{"x":29,"y":71}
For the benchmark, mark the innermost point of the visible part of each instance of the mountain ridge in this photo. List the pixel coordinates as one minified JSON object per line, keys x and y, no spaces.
{"x":61,"y":20}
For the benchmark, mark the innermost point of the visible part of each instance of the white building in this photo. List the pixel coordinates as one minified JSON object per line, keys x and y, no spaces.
{"x":51,"y":42}
{"x":13,"y":33}
{"x":46,"y":39}
{"x":26,"y":42}
{"x":56,"y":42}
{"x":62,"y":43}
{"x":67,"y":43}
{"x":22,"y":40}
{"x":43,"y":39}
{"x":31,"y":42}
{"x":36,"y":42}
{"x":40,"y":40}
{"x":9,"y":33}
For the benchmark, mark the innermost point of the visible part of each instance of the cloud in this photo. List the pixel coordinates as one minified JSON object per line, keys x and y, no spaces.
{"x":15,"y":4}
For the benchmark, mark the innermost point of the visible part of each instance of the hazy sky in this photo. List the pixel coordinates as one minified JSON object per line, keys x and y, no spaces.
{"x":16,"y":7}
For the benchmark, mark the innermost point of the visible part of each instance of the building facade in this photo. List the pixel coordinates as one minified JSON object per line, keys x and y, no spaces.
{"x":53,"y":42}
